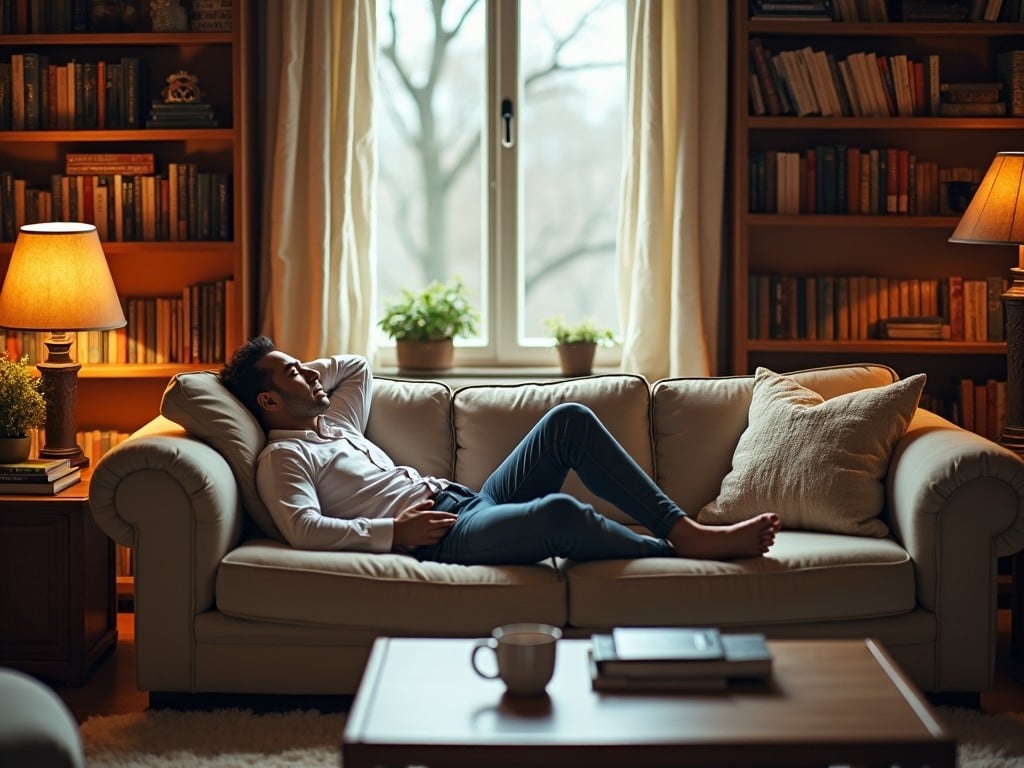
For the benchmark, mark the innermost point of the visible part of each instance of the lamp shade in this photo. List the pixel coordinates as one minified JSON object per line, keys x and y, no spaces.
{"x":58,"y":280}
{"x":996,"y":212}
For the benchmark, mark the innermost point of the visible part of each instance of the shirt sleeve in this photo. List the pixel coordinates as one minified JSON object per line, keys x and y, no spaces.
{"x":349,"y":382}
{"x":287,"y":488}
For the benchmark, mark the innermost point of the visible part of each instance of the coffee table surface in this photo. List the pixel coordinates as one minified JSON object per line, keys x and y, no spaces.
{"x":828,"y":702}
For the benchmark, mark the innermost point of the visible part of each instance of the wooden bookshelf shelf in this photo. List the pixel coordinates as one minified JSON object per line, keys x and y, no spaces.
{"x":815,"y":123}
{"x":879,"y":347}
{"x":896,"y":29}
{"x":120,"y":136}
{"x":946,"y":223}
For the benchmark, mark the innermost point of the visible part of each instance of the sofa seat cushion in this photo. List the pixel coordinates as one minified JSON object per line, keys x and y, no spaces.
{"x":269,"y":581}
{"x":807,"y":576}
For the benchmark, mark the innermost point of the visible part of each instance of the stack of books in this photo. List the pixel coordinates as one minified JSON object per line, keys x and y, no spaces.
{"x":44,"y":477}
{"x":792,"y":10}
{"x":179,"y":114}
{"x":972,"y":100}
{"x":676,"y":658}
{"x":934,"y":328}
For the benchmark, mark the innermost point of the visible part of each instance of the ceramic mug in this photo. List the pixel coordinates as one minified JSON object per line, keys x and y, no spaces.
{"x":525,"y":655}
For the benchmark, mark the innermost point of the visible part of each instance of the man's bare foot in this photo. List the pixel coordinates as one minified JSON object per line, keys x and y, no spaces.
{"x":751,"y":538}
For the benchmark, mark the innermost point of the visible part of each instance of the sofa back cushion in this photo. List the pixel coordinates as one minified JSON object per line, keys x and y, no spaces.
{"x":208,"y":411}
{"x":490,"y":420}
{"x":697,"y":423}
{"x":411,"y":421}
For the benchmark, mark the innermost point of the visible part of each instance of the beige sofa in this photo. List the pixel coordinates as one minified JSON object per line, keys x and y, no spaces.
{"x":222,"y":606}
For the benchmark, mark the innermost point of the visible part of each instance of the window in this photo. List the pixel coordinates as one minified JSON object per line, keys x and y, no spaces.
{"x":500,"y":130}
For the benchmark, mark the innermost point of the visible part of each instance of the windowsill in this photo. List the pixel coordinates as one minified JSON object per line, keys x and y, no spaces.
{"x":464,"y":376}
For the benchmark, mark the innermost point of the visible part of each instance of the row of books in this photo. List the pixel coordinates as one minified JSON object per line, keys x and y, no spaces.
{"x":23,"y":17}
{"x":676,"y":658}
{"x":858,"y":307}
{"x":36,"y":94}
{"x":192,"y":328}
{"x":806,"y":82}
{"x":840,"y":179}
{"x":182,"y":203}
{"x":981,"y":407}
{"x":210,"y":16}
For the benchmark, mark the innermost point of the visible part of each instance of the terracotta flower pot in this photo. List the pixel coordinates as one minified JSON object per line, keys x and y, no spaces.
{"x":425,"y":357}
{"x":576,"y":359}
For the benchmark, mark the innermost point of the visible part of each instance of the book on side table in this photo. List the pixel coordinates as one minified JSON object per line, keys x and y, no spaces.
{"x":676,"y":658}
{"x":44,"y":477}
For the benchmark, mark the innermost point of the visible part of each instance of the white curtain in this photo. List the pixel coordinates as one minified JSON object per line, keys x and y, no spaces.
{"x":670,"y":222}
{"x":317,"y":280}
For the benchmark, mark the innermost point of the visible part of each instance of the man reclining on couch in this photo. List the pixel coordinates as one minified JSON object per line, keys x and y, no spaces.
{"x":329,"y":488}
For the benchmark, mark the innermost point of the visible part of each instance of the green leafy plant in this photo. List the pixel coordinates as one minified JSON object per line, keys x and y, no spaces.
{"x":21,"y":399}
{"x":440,"y":311}
{"x":586,"y":331}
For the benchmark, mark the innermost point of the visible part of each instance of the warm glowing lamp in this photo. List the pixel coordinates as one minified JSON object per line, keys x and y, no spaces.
{"x":58,"y":281}
{"x":996,"y":217}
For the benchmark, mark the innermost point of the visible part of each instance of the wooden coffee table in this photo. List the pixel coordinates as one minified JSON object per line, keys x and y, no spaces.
{"x":828,"y":702}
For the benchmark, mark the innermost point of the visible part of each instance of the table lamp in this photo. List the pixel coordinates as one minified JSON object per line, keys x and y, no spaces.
{"x":58,"y":281}
{"x":995,"y":216}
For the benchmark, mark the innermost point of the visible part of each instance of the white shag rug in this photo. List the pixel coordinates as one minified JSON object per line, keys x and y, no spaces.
{"x":237,"y":738}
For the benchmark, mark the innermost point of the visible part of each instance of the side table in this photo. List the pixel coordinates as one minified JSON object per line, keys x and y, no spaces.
{"x":58,"y":610}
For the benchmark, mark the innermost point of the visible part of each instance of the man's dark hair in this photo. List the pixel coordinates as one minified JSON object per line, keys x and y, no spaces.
{"x":241,"y":376}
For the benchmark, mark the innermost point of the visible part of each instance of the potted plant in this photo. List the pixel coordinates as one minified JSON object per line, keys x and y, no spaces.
{"x":424,"y":325}
{"x":21,"y":408}
{"x":577,"y":344}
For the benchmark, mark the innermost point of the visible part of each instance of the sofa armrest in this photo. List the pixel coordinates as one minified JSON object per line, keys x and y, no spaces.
{"x":956,"y":503}
{"x":174,"y":501}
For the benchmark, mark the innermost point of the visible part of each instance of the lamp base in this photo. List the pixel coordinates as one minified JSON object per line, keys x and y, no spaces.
{"x":1013,"y":306}
{"x":59,"y":376}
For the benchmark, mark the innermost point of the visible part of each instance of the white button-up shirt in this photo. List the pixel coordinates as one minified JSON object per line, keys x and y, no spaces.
{"x":331,"y":488}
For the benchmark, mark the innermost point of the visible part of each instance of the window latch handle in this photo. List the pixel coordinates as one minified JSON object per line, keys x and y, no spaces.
{"x":506,"y":123}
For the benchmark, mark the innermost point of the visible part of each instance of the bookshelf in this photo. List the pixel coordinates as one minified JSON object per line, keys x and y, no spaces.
{"x":888,"y":246}
{"x":123,"y":395}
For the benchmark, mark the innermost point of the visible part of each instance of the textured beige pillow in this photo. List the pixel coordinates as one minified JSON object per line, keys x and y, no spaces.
{"x":818,"y":464}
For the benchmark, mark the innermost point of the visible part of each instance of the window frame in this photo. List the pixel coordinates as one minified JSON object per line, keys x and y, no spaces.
{"x":503,"y":299}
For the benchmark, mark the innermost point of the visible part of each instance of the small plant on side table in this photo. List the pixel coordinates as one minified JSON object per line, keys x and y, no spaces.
{"x":22,"y":408}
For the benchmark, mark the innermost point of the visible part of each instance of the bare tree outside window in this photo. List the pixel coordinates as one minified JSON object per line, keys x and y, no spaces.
{"x":431,"y":127}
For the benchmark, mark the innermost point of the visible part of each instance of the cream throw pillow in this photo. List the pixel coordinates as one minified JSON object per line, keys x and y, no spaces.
{"x":818,"y":464}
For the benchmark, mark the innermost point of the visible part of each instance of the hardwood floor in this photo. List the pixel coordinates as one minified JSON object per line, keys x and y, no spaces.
{"x":111,"y":688}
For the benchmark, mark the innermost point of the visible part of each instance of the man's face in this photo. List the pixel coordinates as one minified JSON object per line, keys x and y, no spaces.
{"x":294,"y":386}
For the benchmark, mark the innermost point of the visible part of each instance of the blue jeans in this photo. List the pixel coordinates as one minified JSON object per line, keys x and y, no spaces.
{"x":519,"y":516}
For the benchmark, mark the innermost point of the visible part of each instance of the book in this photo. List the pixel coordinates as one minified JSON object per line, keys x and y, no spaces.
{"x":47,"y":488}
{"x":680,"y":652}
{"x":997,"y":109}
{"x":1010,"y":68}
{"x":46,"y":469}
{"x":971,"y":93}
{"x":624,"y":683}
{"x":105,"y":163}
{"x":914,"y":328}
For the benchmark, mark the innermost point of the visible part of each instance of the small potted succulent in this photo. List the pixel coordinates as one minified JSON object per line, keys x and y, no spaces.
{"x":22,"y":408}
{"x":577,"y":343}
{"x":424,"y":325}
